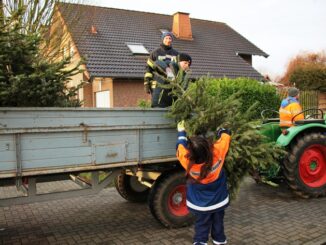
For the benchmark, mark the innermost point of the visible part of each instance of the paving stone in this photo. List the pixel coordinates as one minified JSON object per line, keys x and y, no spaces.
{"x":260,"y":215}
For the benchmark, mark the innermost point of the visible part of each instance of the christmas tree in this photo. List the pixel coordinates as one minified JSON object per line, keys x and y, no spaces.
{"x":204,"y":112}
{"x":26,"y":78}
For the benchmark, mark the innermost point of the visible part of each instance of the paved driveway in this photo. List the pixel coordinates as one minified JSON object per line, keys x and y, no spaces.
{"x":260,"y":215}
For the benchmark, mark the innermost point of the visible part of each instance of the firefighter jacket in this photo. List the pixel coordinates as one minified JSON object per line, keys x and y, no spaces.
{"x":163,"y":73}
{"x":163,"y":53}
{"x":289,"y":108}
{"x":209,"y":194}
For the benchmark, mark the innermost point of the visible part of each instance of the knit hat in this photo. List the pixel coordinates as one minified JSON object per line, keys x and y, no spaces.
{"x":293,"y":92}
{"x":167,"y":34}
{"x":185,"y":57}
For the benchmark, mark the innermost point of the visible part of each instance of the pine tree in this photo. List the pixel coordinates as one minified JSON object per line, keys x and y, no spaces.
{"x":204,"y":113}
{"x":26,"y":78}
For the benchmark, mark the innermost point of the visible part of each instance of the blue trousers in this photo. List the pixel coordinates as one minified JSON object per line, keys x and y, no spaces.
{"x":209,"y":222}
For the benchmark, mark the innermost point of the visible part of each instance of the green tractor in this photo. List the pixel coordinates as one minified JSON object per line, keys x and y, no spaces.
{"x":304,"y":165}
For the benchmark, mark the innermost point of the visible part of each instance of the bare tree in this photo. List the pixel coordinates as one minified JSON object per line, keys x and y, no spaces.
{"x":37,"y":14}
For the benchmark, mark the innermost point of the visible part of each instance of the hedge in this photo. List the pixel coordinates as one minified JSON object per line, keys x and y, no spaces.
{"x":252,"y":91}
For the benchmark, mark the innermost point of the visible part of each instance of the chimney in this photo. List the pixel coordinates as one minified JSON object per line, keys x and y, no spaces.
{"x":93,"y":29}
{"x":181,"y":26}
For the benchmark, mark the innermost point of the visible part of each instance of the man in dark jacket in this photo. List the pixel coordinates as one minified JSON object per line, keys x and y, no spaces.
{"x":164,"y":72}
{"x":164,"y":53}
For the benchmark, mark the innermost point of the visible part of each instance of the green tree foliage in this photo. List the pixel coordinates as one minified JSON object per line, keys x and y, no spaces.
{"x":26,"y":79}
{"x":212,"y":103}
{"x":309,"y":77}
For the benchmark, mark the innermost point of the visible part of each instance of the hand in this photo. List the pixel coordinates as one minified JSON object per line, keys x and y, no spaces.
{"x":181,"y":126}
{"x":220,"y":131}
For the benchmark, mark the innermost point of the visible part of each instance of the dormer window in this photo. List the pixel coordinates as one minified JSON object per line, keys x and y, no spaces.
{"x":137,"y":48}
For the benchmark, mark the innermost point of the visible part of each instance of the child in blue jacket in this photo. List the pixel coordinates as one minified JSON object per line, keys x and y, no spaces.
{"x":207,"y":194}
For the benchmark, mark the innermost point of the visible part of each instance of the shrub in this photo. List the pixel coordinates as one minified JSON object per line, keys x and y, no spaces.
{"x":252,"y":92}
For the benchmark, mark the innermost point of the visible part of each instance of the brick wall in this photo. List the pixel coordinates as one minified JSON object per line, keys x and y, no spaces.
{"x":128,"y":92}
{"x":87,"y":95}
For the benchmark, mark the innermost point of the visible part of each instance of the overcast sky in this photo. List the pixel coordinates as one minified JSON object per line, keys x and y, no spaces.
{"x":281,"y":28}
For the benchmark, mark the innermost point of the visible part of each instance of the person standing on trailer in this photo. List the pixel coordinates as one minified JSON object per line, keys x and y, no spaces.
{"x":164,"y":53}
{"x":164,"y":73}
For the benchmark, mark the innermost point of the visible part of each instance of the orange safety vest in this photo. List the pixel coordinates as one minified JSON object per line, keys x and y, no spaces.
{"x":288,"y":112}
{"x":220,"y":149}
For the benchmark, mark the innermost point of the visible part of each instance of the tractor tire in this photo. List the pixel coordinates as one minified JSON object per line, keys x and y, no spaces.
{"x":130,"y":189}
{"x":167,"y":201}
{"x":305,"y":165}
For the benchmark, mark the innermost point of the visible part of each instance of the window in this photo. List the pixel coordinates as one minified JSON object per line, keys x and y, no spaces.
{"x":103,"y":99}
{"x":137,"y":48}
{"x":164,"y":30}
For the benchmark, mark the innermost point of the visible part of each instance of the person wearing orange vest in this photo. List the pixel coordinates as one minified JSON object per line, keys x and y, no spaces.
{"x":207,"y":193}
{"x":289,"y":108}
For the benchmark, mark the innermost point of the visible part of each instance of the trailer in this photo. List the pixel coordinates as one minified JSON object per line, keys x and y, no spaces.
{"x":133,"y":148}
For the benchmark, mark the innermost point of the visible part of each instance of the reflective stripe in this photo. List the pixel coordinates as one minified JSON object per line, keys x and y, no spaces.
{"x":290,"y":112}
{"x":153,"y":84}
{"x":182,"y":138}
{"x":148,"y":74}
{"x":215,"y":166}
{"x":209,"y":208}
{"x":150,"y":63}
{"x":193,"y":173}
{"x":285,"y":122}
{"x":284,"y":111}
{"x":212,"y":170}
{"x":296,"y":111}
{"x":167,"y":57}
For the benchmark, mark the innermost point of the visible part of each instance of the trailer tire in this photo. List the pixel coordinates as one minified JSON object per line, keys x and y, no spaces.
{"x":130,"y":189}
{"x":305,"y":165}
{"x":167,"y":201}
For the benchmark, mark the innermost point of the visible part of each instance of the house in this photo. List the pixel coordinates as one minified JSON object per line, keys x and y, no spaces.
{"x":116,"y":44}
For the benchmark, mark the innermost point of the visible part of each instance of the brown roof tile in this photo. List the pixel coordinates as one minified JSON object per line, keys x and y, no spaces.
{"x":214,"y":47}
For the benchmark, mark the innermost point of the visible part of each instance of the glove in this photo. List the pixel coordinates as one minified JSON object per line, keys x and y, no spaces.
{"x":220,"y":131}
{"x":181,"y":126}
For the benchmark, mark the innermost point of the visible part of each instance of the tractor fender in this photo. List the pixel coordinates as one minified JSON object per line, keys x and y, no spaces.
{"x":285,"y":140}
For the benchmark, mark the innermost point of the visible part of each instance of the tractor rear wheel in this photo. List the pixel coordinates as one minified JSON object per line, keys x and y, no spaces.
{"x":130,"y":188}
{"x":167,"y":201}
{"x":305,"y":165}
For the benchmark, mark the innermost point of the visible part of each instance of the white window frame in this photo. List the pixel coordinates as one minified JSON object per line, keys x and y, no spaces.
{"x":137,"y":48}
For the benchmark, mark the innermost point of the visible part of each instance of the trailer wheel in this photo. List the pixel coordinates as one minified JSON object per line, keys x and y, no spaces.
{"x":305,"y":166}
{"x":167,"y":201}
{"x":130,"y":189}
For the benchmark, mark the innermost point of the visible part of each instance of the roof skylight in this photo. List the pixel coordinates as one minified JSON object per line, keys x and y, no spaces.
{"x":164,"y":30}
{"x":137,"y":48}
